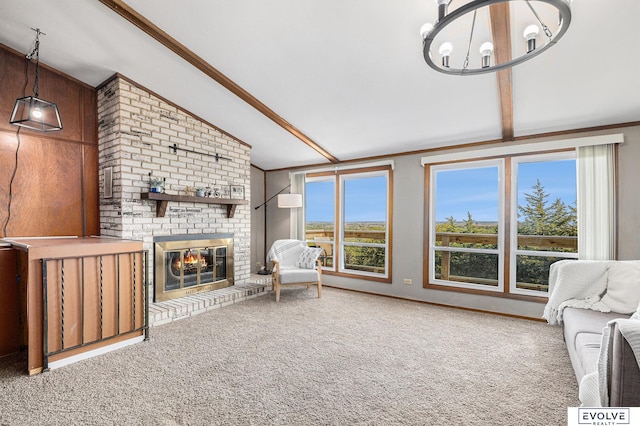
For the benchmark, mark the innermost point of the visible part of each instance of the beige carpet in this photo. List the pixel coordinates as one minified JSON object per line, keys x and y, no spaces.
{"x":345,"y":359}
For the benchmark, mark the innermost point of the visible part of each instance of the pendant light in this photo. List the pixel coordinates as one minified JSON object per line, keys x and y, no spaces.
{"x":31,"y":111}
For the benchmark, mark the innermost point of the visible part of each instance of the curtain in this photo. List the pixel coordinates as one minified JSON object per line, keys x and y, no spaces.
{"x":298,"y":214}
{"x":596,"y":202}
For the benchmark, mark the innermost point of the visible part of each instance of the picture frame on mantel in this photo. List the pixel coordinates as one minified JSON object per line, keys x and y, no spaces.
{"x":236,"y":192}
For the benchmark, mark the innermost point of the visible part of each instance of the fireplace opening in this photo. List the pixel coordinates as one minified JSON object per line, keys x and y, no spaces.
{"x":190,"y":264}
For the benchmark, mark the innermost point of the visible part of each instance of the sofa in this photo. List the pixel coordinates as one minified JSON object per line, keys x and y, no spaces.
{"x":597,"y":305}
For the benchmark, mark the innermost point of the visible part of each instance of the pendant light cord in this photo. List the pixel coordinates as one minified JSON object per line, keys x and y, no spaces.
{"x":15,"y":167}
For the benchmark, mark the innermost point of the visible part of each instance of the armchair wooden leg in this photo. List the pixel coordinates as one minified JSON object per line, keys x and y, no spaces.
{"x":319,"y":289}
{"x":277,"y":292}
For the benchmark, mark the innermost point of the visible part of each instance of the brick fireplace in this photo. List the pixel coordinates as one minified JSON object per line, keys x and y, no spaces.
{"x":138,"y":133}
{"x":189,"y":264}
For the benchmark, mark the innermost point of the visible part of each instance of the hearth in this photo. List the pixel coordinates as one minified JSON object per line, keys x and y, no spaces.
{"x":189,"y":264}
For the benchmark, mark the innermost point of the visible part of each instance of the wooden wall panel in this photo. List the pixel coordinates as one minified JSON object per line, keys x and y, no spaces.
{"x":47,"y":198}
{"x":55,"y":191}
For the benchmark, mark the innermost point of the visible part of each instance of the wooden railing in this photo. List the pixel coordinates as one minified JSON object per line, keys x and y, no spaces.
{"x":323,"y":238}
{"x":542,"y":242}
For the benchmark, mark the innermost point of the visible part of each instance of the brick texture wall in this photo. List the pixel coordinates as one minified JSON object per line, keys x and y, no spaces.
{"x":135,"y":132}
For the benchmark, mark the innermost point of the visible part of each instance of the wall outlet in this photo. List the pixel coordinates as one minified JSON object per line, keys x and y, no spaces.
{"x":408,"y":281}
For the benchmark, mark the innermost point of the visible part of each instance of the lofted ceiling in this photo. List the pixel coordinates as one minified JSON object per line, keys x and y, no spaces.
{"x":315,"y":82}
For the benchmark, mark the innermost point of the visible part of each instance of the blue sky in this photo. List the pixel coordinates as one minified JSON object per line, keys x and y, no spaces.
{"x":366,"y":200}
{"x":476,"y":190}
{"x":473,"y":190}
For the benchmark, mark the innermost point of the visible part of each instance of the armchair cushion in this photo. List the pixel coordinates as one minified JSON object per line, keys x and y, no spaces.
{"x":308,"y":257}
{"x":298,"y":275}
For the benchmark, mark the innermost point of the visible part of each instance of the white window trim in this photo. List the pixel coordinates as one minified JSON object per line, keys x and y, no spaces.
{"x":566,"y":155}
{"x":335,"y":169}
{"x":432,"y":221}
{"x":504,"y":150}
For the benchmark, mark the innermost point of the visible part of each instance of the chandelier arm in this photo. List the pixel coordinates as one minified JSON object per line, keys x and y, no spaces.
{"x":544,"y":26}
{"x":473,"y":25}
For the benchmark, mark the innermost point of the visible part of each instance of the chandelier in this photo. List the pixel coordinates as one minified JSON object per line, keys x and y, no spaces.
{"x":482,"y":36}
{"x":31,"y":111}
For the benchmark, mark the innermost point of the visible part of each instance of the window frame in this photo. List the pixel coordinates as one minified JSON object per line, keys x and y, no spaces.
{"x":342,"y":178}
{"x":508,"y":210}
{"x":514,"y":251}
{"x":323,"y":177}
{"x":338,"y":243}
{"x":474,"y":164}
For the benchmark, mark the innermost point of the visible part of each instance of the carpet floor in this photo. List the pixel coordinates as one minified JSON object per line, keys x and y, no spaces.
{"x":345,"y":359}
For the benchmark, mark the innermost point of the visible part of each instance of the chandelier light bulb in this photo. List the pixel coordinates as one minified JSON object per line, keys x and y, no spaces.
{"x":426,"y":29}
{"x":530,"y":34}
{"x":445,"y":51}
{"x":486,"y":49}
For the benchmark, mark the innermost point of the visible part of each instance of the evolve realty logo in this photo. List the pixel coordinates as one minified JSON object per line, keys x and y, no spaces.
{"x":604,"y":416}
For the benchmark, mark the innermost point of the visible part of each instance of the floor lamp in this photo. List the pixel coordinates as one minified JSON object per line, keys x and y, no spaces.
{"x":285,"y":201}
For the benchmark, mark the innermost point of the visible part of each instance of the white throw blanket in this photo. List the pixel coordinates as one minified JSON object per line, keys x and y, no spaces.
{"x":285,"y":251}
{"x":579,"y":284}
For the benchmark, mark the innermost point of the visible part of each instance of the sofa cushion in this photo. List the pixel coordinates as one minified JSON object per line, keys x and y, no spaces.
{"x":588,"y":350}
{"x":578,"y":320}
{"x":583,"y":321}
{"x":623,"y":287}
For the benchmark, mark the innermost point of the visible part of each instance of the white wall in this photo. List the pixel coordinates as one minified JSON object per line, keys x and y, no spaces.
{"x":408,"y":225}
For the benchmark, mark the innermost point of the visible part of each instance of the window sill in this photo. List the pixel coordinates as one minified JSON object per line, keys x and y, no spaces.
{"x":357,"y":276}
{"x":525,"y":297}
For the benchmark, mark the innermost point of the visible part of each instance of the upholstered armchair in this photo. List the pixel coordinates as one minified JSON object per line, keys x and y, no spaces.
{"x":293,"y":263}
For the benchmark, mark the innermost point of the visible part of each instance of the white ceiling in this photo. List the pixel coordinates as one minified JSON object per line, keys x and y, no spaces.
{"x":348,"y":74}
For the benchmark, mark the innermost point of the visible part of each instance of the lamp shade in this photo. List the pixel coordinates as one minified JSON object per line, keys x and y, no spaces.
{"x":36,"y":114}
{"x":289,"y":201}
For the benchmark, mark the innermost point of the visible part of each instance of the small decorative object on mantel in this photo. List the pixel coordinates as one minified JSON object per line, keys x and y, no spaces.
{"x":225,"y":191}
{"x":200,"y":192}
{"x":215,"y":192}
{"x":156,"y":184}
{"x":237,"y":192}
{"x":190,"y":191}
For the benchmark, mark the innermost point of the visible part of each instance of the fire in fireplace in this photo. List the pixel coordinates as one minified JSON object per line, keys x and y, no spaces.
{"x":189,"y":264}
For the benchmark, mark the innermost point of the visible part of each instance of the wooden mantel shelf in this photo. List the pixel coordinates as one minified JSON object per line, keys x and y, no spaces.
{"x":163,"y":199}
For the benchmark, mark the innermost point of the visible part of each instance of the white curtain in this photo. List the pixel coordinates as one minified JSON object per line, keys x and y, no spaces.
{"x":297,"y":214}
{"x":596,"y":202}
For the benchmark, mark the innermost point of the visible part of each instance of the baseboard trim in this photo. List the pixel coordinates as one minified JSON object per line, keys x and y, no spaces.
{"x":95,"y":352}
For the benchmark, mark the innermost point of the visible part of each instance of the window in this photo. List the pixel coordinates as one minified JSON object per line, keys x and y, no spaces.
{"x":320,"y":211}
{"x":348,"y":215}
{"x":544,"y":209}
{"x":486,"y":235}
{"x":466,"y":218}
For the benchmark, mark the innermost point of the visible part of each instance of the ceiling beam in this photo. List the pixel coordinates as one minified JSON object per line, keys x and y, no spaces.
{"x":181,"y":50}
{"x":501,"y":31}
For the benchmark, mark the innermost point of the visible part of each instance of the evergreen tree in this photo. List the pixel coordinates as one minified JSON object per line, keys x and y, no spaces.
{"x":469,"y":224}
